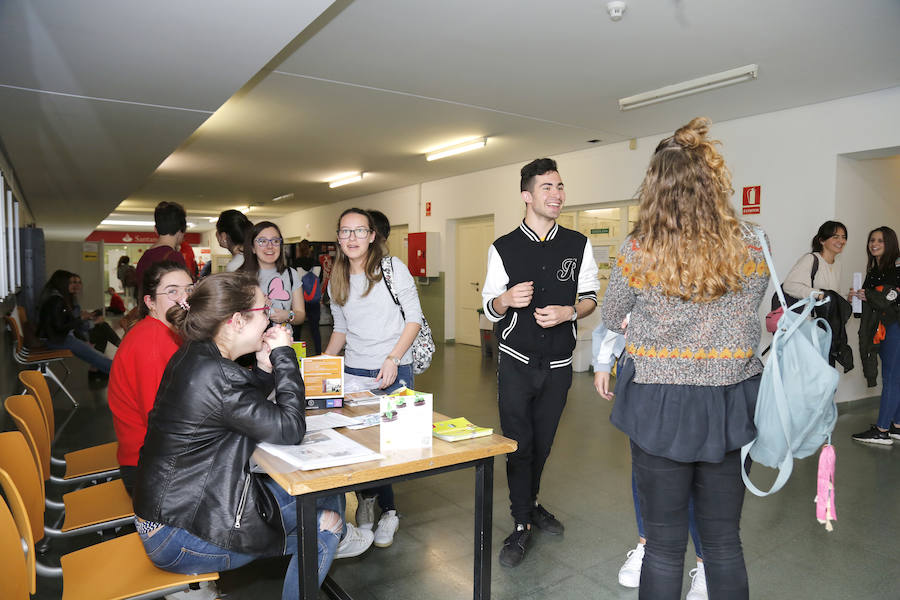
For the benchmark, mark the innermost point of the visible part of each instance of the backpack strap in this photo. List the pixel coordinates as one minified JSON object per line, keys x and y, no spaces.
{"x":387,"y":272}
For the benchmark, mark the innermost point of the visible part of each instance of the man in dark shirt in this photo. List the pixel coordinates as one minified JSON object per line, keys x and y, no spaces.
{"x":171,"y":223}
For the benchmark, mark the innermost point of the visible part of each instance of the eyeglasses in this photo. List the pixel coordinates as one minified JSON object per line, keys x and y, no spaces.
{"x":174,"y":292}
{"x":266,"y":310}
{"x":263,"y":242}
{"x":359,"y":232}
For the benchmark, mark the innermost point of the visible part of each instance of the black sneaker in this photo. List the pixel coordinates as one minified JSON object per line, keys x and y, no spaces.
{"x":873,"y":435}
{"x":894,"y":432}
{"x":546,"y":521}
{"x":515,"y":545}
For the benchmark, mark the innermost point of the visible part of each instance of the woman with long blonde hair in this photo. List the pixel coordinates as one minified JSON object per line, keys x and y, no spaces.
{"x":375,"y":333}
{"x":692,"y":276}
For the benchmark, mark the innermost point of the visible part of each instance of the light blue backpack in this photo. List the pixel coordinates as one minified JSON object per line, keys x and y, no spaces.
{"x":795,"y":409}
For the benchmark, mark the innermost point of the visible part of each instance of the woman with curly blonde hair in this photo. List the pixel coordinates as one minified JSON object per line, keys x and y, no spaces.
{"x":692,"y":276}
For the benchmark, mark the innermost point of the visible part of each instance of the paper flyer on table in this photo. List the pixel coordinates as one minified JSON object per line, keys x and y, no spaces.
{"x":323,"y":376}
{"x":329,"y":420}
{"x":320,"y":450}
{"x":406,"y":420}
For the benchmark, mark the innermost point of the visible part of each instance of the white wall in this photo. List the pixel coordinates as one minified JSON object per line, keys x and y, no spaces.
{"x":793,"y":154}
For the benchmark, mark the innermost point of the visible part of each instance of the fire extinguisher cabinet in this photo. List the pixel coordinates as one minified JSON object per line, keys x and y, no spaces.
{"x":424,"y":254}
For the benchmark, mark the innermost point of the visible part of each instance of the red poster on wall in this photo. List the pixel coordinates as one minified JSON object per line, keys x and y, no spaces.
{"x":750,"y":200}
{"x":428,"y":209}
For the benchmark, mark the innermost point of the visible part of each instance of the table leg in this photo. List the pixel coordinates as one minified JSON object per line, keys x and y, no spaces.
{"x":307,"y":546}
{"x":484,"y":502}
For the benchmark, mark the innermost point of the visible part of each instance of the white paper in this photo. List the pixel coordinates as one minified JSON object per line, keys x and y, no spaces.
{"x":406,"y":421}
{"x":320,"y":450}
{"x":329,"y":420}
{"x":358,"y":383}
{"x":855,"y":302}
{"x":369,"y":420}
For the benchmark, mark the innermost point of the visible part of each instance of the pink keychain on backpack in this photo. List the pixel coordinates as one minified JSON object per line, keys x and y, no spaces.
{"x":825,"y":506}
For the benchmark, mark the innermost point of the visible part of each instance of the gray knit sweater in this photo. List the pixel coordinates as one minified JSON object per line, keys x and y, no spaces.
{"x":674,"y":341}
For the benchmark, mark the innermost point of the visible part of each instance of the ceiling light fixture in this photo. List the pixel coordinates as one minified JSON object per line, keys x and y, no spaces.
{"x":345,"y":179}
{"x":244,"y":209}
{"x":693,"y":86}
{"x":459,"y":148}
{"x":288,"y":196}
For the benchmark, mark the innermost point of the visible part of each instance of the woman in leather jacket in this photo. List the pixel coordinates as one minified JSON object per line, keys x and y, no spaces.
{"x":198,"y":507}
{"x":59,"y":319}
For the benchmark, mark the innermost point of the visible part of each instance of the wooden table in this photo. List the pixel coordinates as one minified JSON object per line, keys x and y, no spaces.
{"x":398,"y":466}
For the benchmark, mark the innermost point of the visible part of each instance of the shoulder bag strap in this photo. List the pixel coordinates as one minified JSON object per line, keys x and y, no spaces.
{"x":387,"y":272}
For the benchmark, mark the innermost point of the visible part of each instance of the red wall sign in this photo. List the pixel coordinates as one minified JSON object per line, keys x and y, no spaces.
{"x":136,"y":237}
{"x":750,"y":201}
{"x":428,"y":209}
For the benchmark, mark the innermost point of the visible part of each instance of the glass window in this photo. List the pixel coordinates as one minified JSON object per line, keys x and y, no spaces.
{"x":606,"y":228}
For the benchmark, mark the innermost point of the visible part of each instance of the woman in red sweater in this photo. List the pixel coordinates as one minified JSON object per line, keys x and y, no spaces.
{"x":141,"y":360}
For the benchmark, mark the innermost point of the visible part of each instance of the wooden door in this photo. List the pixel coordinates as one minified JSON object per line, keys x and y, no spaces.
{"x":473,"y":238}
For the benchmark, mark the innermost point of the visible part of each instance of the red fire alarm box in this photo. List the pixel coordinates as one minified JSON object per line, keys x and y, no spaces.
{"x":424,"y":254}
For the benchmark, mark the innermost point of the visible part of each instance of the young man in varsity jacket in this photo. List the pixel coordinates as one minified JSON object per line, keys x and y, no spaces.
{"x":541,"y":278}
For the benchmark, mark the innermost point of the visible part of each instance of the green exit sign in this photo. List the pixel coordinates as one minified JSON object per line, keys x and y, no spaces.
{"x":601,"y":230}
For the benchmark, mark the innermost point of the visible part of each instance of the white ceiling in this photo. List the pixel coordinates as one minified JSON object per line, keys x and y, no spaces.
{"x":370,"y":85}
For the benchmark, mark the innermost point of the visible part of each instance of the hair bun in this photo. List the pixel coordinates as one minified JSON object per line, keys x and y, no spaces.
{"x":693,"y":134}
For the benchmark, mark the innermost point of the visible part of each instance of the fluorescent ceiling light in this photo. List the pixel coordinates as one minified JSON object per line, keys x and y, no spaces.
{"x":456,"y":149}
{"x":345,"y":179}
{"x":127,"y":223}
{"x":693,"y":86}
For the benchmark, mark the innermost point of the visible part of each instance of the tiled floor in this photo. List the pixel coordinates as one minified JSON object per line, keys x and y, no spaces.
{"x":587,"y":485}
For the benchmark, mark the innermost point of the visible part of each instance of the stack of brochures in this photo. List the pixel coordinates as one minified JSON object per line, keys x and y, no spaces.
{"x":460,"y":428}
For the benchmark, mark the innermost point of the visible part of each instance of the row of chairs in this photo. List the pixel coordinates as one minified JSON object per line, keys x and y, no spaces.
{"x":110,"y":570}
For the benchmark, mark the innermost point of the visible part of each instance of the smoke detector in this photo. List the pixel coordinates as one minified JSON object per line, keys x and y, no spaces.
{"x":616,"y":9}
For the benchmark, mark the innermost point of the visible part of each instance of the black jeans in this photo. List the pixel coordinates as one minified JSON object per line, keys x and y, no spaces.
{"x":665,"y":486}
{"x":531,"y":402}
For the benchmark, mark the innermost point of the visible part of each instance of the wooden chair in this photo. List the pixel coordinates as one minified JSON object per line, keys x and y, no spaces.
{"x":41,"y":359}
{"x":99,"y":461}
{"x":90,"y":509}
{"x":113,"y":570}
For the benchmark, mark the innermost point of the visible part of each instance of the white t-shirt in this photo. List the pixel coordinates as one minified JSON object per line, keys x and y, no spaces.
{"x":279,"y":287}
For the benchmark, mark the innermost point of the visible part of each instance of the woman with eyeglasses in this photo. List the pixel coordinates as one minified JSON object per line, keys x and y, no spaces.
{"x":141,"y":360}
{"x":375,"y":334}
{"x":198,"y":506}
{"x":264,"y":258}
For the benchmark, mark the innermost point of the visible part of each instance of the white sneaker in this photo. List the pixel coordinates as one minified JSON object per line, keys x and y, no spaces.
{"x":630,"y":573}
{"x":698,"y":584}
{"x":387,"y":526}
{"x":365,"y":512}
{"x":355,"y":542}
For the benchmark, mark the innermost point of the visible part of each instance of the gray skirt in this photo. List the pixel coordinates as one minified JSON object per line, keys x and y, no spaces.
{"x":685,"y":423}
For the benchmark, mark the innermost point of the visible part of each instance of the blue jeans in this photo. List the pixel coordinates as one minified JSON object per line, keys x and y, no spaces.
{"x":692,"y":526}
{"x":889,"y":410}
{"x":405,"y":377}
{"x":665,"y":488}
{"x":84,"y":351}
{"x":176,"y":550}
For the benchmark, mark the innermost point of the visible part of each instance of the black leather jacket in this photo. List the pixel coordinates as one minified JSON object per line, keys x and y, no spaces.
{"x":208,"y":416}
